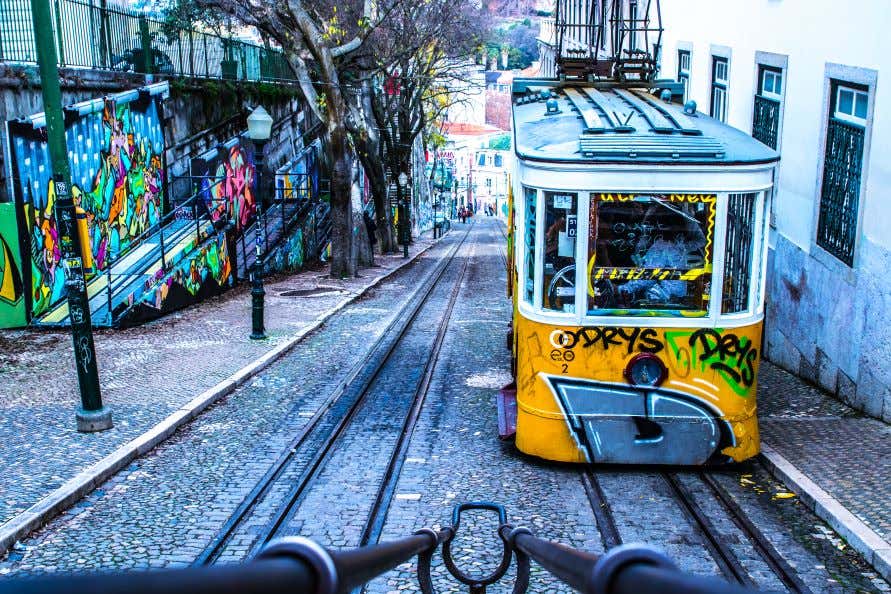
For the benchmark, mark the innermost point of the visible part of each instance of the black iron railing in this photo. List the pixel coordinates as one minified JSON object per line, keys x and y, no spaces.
{"x":840,"y":194}
{"x":296,"y":564}
{"x":766,"y":121}
{"x":89,"y":34}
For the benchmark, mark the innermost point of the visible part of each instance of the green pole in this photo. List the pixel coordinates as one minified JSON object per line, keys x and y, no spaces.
{"x":91,"y":416}
{"x":145,"y":40}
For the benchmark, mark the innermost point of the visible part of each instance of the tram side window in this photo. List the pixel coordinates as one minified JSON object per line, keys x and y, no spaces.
{"x":530,"y":198}
{"x":650,"y":255}
{"x":561,"y":223}
{"x":738,"y":253}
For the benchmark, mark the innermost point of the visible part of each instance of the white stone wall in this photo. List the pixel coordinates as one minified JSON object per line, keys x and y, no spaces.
{"x":827,"y":322}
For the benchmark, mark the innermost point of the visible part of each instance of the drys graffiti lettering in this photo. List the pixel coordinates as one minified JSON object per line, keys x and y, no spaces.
{"x":644,"y":340}
{"x":733,"y":357}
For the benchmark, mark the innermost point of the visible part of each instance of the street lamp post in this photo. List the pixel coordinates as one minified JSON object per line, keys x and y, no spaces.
{"x":259,"y":131}
{"x":92,"y":415}
{"x":403,"y":216}
{"x":435,"y":221}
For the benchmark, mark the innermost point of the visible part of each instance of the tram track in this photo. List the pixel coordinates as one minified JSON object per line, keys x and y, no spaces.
{"x":319,"y":436}
{"x":714,"y":540}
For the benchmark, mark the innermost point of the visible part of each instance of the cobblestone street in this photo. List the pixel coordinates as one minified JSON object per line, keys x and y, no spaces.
{"x":166,"y":508}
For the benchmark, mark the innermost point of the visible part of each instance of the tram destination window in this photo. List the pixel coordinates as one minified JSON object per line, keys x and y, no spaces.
{"x":650,"y":254}
{"x":738,"y":253}
{"x":561,"y":223}
{"x":530,"y":196}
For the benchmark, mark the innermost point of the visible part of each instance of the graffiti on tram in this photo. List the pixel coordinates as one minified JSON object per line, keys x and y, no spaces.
{"x":733,"y":357}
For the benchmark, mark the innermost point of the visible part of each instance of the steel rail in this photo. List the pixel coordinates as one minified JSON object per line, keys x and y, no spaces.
{"x":215,"y":548}
{"x":765,"y":548}
{"x":724,"y":557}
{"x":603,"y":513}
{"x":375,"y":523}
{"x":312,"y":469}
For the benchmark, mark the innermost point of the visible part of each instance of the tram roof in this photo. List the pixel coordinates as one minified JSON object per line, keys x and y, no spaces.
{"x":614,"y":123}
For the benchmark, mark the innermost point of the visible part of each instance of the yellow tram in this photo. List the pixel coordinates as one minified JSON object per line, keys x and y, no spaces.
{"x":638,"y":234}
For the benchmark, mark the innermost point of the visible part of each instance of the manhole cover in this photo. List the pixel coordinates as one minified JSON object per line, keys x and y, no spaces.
{"x":317,"y":292}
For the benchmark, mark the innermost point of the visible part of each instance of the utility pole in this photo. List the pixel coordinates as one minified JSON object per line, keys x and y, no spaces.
{"x":91,"y":416}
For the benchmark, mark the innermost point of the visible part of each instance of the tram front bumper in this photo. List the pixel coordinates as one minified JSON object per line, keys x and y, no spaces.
{"x":622,"y":424}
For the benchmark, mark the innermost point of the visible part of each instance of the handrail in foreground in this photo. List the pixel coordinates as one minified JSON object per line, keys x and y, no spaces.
{"x":295,"y":565}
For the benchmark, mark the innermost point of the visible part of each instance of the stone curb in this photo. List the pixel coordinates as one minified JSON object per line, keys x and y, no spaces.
{"x":84,"y":482}
{"x":856,"y":533}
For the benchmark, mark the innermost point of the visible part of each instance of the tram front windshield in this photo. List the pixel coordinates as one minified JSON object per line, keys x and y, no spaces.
{"x":647,"y":254}
{"x":650,"y":254}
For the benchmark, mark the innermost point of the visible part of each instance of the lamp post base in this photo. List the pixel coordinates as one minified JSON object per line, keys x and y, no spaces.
{"x":258,"y":330}
{"x":92,"y":421}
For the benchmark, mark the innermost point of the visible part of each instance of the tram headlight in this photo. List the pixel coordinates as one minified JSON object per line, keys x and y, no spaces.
{"x":645,"y":369}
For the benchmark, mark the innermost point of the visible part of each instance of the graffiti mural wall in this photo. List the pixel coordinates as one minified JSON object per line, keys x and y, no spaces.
{"x":12,"y":290}
{"x":115,"y":152}
{"x":226,"y":181}
{"x":204,"y":273}
{"x":299,"y":178}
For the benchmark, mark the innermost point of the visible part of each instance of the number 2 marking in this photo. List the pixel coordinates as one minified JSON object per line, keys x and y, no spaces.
{"x":565,"y":368}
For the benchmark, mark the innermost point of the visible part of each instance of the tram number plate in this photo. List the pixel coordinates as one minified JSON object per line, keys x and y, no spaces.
{"x":572,"y":226}
{"x":565,"y":291}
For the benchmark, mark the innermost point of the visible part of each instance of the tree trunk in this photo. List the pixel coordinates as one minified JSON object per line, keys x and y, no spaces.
{"x":343,"y":263}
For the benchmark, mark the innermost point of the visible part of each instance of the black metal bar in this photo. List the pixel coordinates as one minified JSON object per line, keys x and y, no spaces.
{"x":357,"y":566}
{"x":571,"y":566}
{"x":274,"y":576}
{"x":647,"y":579}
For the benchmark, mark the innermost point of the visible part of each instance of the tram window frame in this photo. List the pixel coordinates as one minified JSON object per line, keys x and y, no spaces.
{"x":564,"y":246}
{"x":736,"y":300}
{"x":530,"y":244}
{"x":649,"y":289}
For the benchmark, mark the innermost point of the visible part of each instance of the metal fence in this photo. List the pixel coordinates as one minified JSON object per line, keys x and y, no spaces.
{"x":90,"y":34}
{"x":766,"y":121}
{"x":840,"y":195}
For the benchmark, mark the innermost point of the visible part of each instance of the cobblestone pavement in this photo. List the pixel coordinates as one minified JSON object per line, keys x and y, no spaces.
{"x":846,"y":454}
{"x":165,"y":508}
{"x":146,"y":372}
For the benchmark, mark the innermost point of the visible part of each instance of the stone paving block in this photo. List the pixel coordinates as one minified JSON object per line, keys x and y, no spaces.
{"x":145,"y":381}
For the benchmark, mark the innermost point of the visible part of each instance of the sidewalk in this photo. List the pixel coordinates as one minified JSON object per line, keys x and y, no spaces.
{"x":154,"y":378}
{"x":837,"y":460}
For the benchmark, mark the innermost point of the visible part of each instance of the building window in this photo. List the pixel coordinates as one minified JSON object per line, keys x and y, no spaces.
{"x":499,"y":161}
{"x":684,"y":70}
{"x":851,"y":104}
{"x":768,"y":102}
{"x":720,"y":72}
{"x":842,"y":170}
{"x":481,"y":159}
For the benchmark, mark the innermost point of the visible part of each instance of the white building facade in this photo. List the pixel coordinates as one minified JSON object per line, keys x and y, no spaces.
{"x":805,"y":77}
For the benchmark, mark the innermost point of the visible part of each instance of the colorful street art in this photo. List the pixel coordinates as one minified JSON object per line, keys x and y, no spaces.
{"x":288,"y":257}
{"x":117,"y":174}
{"x":299,"y":179}
{"x":227,"y":182}
{"x":12,"y":291}
{"x":204,"y":273}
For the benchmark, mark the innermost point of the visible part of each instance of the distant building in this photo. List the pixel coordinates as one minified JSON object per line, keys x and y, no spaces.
{"x":498,"y":100}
